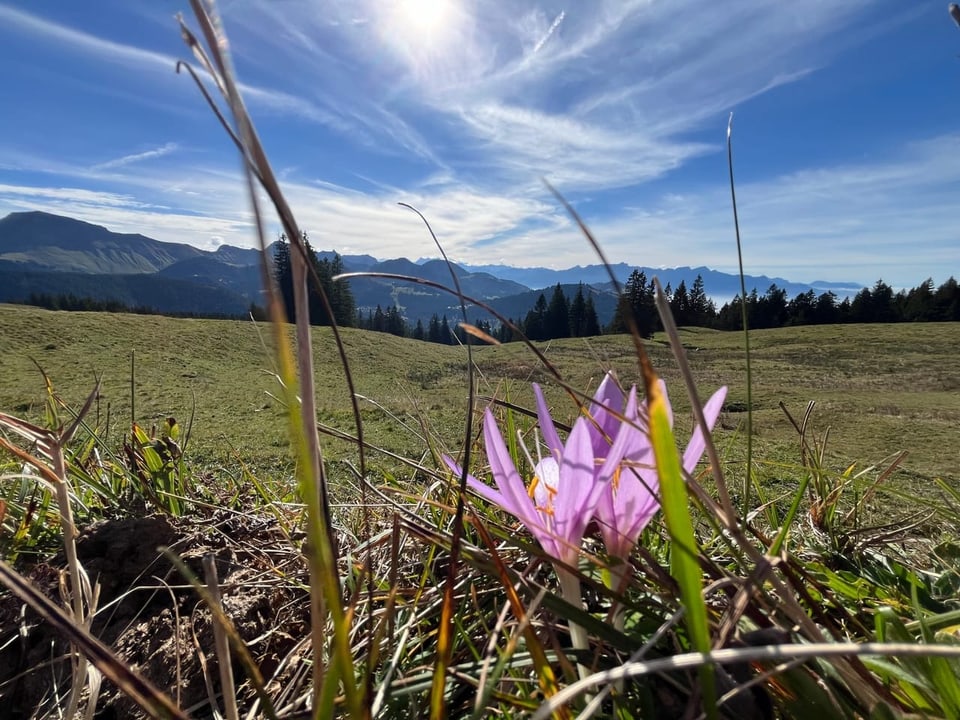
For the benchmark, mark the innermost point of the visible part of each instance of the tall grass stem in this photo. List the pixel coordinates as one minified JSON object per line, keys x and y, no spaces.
{"x":748,"y":477}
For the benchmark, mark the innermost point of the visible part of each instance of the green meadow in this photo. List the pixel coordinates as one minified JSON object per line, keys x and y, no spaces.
{"x":856,"y":535}
{"x":878,"y":389}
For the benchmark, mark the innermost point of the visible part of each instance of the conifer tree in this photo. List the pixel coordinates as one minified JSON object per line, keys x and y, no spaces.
{"x":446,"y":337}
{"x":577,"y":309}
{"x":283,"y":276}
{"x":680,"y":304}
{"x":535,"y":323}
{"x":702,"y":310}
{"x":591,"y":323}
{"x":433,"y":331}
{"x":557,"y":317}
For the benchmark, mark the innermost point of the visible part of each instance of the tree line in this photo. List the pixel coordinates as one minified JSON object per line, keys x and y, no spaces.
{"x":560,"y":317}
{"x":773,"y":309}
{"x":878,"y":304}
{"x":76,"y":303}
{"x":692,"y":307}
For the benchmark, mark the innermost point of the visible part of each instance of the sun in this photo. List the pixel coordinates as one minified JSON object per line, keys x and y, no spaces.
{"x":423,"y":17}
{"x":423,"y":34}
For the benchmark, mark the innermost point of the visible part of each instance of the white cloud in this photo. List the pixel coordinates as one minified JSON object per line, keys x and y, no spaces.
{"x":158,"y":152}
{"x":595,"y":97}
{"x":894,"y":218}
{"x":82,"y":41}
{"x":572,"y":153}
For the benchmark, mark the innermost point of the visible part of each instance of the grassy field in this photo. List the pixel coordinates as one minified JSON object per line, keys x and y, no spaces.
{"x":878,"y":388}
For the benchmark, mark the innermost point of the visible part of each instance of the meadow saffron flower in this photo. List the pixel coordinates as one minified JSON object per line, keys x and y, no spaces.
{"x":605,"y":469}
{"x":631,"y":499}
{"x":559,"y":503}
{"x":563,"y":493}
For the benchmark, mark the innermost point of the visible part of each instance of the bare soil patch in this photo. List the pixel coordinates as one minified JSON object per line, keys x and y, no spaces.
{"x":154,"y":620}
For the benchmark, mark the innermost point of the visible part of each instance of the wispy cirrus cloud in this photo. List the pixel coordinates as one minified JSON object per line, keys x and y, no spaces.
{"x":850,"y":213}
{"x":598,"y":97}
{"x":894,"y":217}
{"x":207,"y":203}
{"x":368,"y":127}
{"x":550,"y":31}
{"x":158,"y":152}
{"x":620,"y":103}
{"x":83,"y":41}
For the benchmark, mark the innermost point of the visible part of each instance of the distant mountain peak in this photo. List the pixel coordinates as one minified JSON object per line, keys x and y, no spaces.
{"x":51,"y":246}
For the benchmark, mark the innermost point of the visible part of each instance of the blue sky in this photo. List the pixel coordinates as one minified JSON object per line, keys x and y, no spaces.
{"x":846,"y":128}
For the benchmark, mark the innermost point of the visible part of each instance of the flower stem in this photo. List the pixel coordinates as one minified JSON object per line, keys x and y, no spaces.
{"x":620,"y":575}
{"x":570,"y":589}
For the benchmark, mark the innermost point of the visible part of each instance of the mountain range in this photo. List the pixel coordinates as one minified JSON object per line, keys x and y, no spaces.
{"x":51,"y":254}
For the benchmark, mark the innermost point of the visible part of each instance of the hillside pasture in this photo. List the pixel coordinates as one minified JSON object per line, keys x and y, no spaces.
{"x":878,"y":389}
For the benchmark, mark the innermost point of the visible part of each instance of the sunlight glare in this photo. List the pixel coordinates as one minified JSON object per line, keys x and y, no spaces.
{"x":424,"y":17}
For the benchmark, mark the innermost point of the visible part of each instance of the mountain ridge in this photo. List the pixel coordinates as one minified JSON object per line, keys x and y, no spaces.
{"x":57,"y":251}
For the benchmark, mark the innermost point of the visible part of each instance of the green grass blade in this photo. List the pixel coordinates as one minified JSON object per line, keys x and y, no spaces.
{"x":784,"y":531}
{"x":684,"y":562}
{"x":747,"y":478}
{"x":942,"y":674}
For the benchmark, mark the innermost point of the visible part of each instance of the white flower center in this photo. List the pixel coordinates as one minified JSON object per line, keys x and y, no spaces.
{"x":546,"y":477}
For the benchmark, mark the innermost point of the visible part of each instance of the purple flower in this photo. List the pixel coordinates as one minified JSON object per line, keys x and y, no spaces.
{"x":564,"y":492}
{"x":605,"y":470}
{"x":631,"y":500}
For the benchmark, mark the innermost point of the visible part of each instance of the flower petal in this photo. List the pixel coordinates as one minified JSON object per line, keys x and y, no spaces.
{"x":547,"y":478}
{"x":628,"y":439}
{"x":698,"y":443}
{"x":515,"y":498}
{"x":576,"y":497}
{"x":549,"y":430}
{"x":637,"y":502}
{"x":606,"y":406}
{"x":478,"y":486}
{"x":624,"y":510}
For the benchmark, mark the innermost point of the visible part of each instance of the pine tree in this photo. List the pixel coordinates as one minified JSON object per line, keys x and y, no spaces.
{"x":504,"y":332}
{"x":801,"y":310}
{"x":636,"y":304}
{"x":702,"y":309}
{"x":535,"y":324}
{"x":557,"y":317}
{"x":825,"y":311}
{"x":729,"y":317}
{"x":433,"y":331}
{"x":946,"y":300}
{"x":283,"y":276}
{"x":446,"y":337}
{"x":317,"y":271}
{"x":591,"y":323}
{"x":771,"y":310}
{"x":577,"y":309}
{"x":884,"y":309}
{"x":394,"y":322}
{"x":341,"y":295}
{"x":680,"y":304}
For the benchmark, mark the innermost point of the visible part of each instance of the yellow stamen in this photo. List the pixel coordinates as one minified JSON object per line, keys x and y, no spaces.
{"x":551,"y":492}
